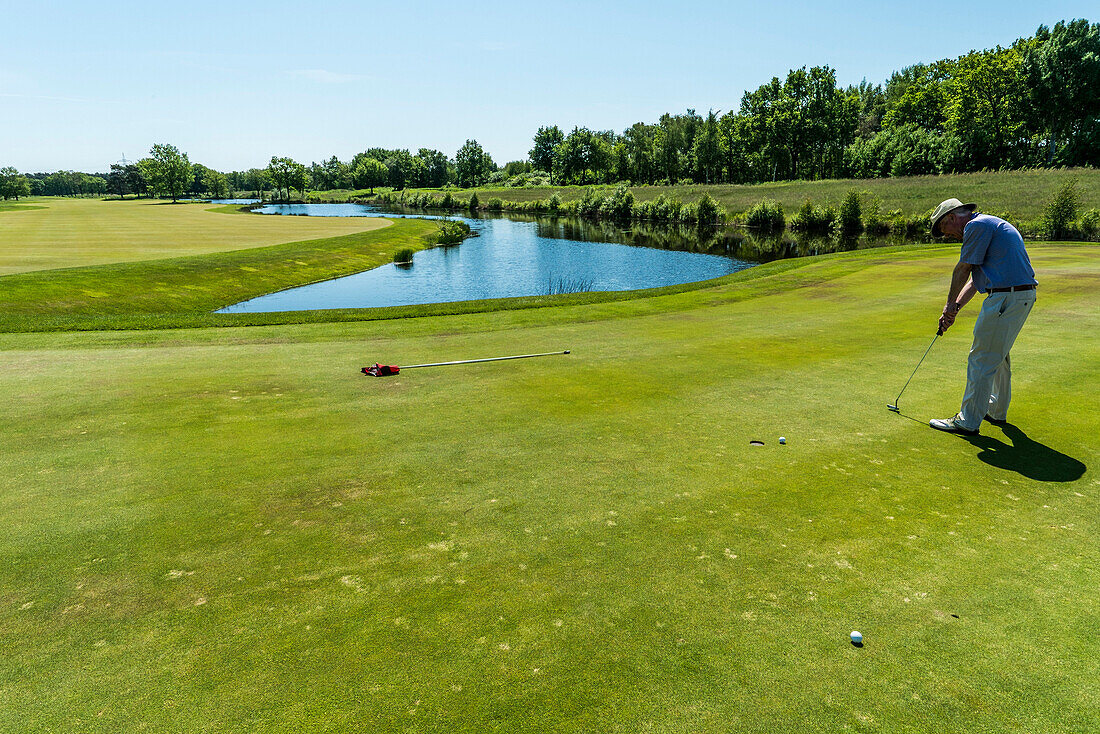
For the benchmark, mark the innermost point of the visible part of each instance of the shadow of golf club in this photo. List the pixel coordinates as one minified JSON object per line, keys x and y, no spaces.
{"x":1027,"y":457}
{"x":909,"y":417}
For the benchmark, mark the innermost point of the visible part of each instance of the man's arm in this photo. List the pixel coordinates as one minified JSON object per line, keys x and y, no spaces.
{"x":961,"y":291}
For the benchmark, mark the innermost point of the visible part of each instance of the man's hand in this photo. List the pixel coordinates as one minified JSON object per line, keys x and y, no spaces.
{"x":947,"y":318}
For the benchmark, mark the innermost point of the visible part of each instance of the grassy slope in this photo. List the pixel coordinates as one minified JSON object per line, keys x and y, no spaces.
{"x":233,"y":530}
{"x":1018,"y":193}
{"x":76,"y":232}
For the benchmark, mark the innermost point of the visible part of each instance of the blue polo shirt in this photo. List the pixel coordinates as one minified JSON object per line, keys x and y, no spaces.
{"x":996,"y":250}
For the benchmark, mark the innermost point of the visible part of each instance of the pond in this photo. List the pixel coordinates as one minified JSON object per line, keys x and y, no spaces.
{"x":507,"y":258}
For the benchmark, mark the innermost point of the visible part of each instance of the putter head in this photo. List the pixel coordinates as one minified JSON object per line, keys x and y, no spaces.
{"x":893,"y":408}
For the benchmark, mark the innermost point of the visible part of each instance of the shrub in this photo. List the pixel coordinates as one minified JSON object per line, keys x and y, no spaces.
{"x":474,"y":202}
{"x":766,"y":216}
{"x":452,"y":231}
{"x":1090,"y":223}
{"x":554,"y":204}
{"x":811,"y":218}
{"x":449,"y":201}
{"x":873,"y":221}
{"x":618,"y":205}
{"x":403,"y":256}
{"x":1061,"y":211}
{"x":850,"y":219}
{"x":590,"y":204}
{"x":494,"y":204}
{"x":709,"y":211}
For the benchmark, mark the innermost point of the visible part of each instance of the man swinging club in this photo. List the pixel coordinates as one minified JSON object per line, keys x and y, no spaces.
{"x":994,"y":262}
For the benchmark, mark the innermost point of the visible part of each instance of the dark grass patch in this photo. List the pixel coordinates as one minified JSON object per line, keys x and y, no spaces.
{"x":6,"y":207}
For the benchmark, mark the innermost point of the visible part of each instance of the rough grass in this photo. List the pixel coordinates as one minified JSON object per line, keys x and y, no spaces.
{"x":233,"y":530}
{"x":75,"y":232}
{"x":1020,"y":194}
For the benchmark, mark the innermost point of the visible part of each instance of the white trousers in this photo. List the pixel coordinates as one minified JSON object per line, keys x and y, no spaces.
{"x":988,"y":371}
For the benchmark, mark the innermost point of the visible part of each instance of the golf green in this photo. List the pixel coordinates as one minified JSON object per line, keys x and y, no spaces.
{"x":233,"y":530}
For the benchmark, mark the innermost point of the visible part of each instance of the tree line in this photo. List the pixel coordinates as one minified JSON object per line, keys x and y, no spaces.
{"x":1033,"y":103}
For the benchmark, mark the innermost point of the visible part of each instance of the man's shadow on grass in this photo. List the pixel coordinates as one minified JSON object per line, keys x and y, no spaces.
{"x":1029,"y":458}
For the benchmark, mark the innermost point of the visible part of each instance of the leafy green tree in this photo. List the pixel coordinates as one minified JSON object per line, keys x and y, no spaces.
{"x":707,"y":150}
{"x":282,"y":172}
{"x":638,"y":142}
{"x":1061,"y":73}
{"x":136,"y":181}
{"x":299,"y":179}
{"x":168,"y":170}
{"x":871,"y":108}
{"x":916,"y":95}
{"x":12,"y":184}
{"x":370,"y":173}
{"x":984,"y":102}
{"x":216,"y":184}
{"x":542,"y":154}
{"x":117,"y":182}
{"x":436,"y":163}
{"x":473,"y":164}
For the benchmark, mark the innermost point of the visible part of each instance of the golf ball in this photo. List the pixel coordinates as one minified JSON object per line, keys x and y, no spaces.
{"x":857,"y":638}
{"x":782,"y":439}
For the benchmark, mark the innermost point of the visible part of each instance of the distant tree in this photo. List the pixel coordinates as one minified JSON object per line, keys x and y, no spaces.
{"x":332,"y":174}
{"x":707,"y":150}
{"x":436,"y":163}
{"x":117,"y":182}
{"x":169,"y":171}
{"x":472,"y":163}
{"x":667,"y":143}
{"x":872,"y":106}
{"x":638,"y":145}
{"x":12,"y":184}
{"x":282,"y":172}
{"x":547,"y":140}
{"x":398,"y":166}
{"x":370,"y":173}
{"x":571,"y":157}
{"x":299,"y":179}
{"x":136,"y":181}
{"x":417,"y":173}
{"x":216,"y":184}
{"x":199,"y":176}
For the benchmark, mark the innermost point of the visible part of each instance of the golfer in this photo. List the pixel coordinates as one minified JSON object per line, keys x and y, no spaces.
{"x":993,"y":262}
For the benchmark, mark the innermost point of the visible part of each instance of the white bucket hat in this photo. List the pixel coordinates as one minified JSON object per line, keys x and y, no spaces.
{"x":946,"y":208}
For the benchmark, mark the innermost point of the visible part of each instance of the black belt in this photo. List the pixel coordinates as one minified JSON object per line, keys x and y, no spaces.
{"x":1013,"y":288}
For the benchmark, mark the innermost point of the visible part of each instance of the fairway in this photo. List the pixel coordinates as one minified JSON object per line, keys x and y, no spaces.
{"x":234,"y":530}
{"x":76,"y":232}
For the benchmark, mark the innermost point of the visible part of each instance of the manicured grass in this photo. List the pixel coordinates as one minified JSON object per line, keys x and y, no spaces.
{"x":75,"y":232}
{"x":184,"y":291}
{"x":233,"y":530}
{"x":1020,"y":194}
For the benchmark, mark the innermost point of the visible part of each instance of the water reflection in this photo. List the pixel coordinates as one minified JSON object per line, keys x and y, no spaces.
{"x":740,"y":243}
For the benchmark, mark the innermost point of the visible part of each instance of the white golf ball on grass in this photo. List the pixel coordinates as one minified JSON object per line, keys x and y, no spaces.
{"x":857,"y":638}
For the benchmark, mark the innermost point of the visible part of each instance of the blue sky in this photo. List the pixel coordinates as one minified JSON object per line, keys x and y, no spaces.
{"x":83,"y":83}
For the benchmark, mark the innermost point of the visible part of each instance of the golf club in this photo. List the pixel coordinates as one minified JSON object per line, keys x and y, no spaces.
{"x":386,"y":370}
{"x":894,"y":406}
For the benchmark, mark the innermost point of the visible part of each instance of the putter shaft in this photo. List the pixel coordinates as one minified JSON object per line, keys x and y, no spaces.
{"x":488,"y":359}
{"x":894,"y":407}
